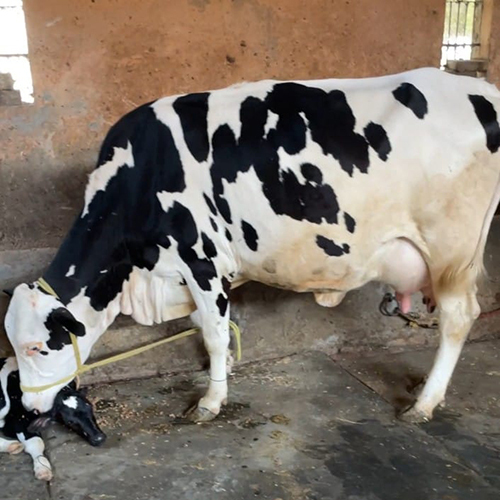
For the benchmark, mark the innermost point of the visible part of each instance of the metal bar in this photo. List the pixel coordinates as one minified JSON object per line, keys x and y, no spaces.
{"x":459,"y":5}
{"x":476,"y":29}
{"x":461,"y":45}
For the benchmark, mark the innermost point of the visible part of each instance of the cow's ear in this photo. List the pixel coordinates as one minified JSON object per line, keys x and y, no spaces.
{"x":8,"y":291}
{"x":68,"y":321}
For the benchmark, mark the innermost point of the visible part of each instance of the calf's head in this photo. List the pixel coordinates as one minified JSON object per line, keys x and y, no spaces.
{"x":75,"y":411}
{"x":38,"y":326}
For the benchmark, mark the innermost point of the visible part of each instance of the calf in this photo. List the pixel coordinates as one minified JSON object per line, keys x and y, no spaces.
{"x":70,"y":407}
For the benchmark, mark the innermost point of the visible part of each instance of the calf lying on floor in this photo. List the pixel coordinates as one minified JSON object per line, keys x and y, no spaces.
{"x":23,"y":427}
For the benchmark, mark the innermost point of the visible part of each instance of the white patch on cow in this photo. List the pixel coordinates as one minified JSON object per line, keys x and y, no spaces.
{"x":104,"y":271}
{"x":71,"y":271}
{"x":100,"y":177}
{"x":271,"y":122}
{"x":71,"y":402}
{"x":224,"y":104}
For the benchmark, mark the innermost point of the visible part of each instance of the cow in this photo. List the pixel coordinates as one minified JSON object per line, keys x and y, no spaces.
{"x":314,"y":186}
{"x":23,"y":427}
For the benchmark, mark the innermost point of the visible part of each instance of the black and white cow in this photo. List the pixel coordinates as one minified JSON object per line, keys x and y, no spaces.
{"x":22,"y":426}
{"x":313,"y":186}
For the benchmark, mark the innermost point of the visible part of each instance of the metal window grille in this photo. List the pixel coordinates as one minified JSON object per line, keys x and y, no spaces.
{"x":462,"y":30}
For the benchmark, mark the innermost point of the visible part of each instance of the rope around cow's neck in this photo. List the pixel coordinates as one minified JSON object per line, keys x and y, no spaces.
{"x":82,"y":368}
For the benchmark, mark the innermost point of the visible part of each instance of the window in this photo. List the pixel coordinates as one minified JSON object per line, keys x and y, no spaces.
{"x":466,"y":36}
{"x":14,"y":48}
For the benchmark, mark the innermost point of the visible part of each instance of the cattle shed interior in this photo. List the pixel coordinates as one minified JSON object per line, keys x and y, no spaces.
{"x":311,"y":404}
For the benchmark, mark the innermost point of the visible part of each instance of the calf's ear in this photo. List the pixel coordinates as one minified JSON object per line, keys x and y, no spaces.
{"x":62,"y":316}
{"x":39,"y":423}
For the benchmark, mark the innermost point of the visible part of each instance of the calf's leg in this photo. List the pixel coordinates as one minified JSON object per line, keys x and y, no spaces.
{"x":35,"y":447}
{"x":10,"y":446}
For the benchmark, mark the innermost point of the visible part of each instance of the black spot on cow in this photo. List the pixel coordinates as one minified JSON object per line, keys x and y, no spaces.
{"x":125,"y":225}
{"x":332,"y":126}
{"x":350,"y":223}
{"x":214,"y":225}
{"x":226,"y":285}
{"x":312,"y":173}
{"x":60,"y":323}
{"x":40,"y":289}
{"x":228,"y":235}
{"x":208,"y":246}
{"x":222,"y":303}
{"x":2,"y":397}
{"x":330,"y":247}
{"x":210,"y":204}
{"x":377,"y":138}
{"x":408,"y":95}
{"x":329,"y":118}
{"x":487,"y":115}
{"x":181,"y":225}
{"x":182,"y":282}
{"x":18,"y":419}
{"x":193,"y":110}
{"x":250,"y":235}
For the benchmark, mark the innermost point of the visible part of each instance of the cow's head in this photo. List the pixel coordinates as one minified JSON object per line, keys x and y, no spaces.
{"x":38,"y":327}
{"x":75,"y":411}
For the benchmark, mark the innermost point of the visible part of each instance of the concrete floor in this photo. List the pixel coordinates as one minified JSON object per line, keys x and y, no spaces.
{"x":304,"y":427}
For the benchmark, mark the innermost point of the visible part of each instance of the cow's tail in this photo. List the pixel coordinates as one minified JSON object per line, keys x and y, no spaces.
{"x":461,"y":276}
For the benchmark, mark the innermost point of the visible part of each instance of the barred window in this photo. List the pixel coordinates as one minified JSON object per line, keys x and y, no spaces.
{"x":466,"y":36}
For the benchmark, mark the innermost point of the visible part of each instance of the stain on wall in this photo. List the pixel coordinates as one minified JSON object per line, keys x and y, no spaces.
{"x":93,"y":60}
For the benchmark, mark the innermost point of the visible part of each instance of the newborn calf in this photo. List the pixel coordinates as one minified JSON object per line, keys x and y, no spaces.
{"x":23,"y":427}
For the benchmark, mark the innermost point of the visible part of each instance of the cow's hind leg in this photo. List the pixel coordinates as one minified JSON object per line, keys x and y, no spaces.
{"x":457,"y":314}
{"x":35,"y":447}
{"x":213,"y":316}
{"x":10,"y":446}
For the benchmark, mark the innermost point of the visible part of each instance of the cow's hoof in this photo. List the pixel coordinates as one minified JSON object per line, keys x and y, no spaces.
{"x":414,"y":416}
{"x":43,"y":470}
{"x":15,"y":448}
{"x":199,"y":414}
{"x":44,"y":475}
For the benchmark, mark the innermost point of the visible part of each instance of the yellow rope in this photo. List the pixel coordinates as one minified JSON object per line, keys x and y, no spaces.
{"x":82,"y":368}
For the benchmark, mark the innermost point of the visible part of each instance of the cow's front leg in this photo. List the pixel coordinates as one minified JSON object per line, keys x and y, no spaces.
{"x":213,"y":316}
{"x":35,"y":447}
{"x":456,"y":317}
{"x":10,"y":446}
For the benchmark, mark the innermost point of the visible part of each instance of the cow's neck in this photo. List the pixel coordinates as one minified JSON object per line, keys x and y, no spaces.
{"x":88,"y":274}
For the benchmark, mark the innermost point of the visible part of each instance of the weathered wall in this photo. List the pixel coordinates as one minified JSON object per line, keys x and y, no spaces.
{"x":92,"y":60}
